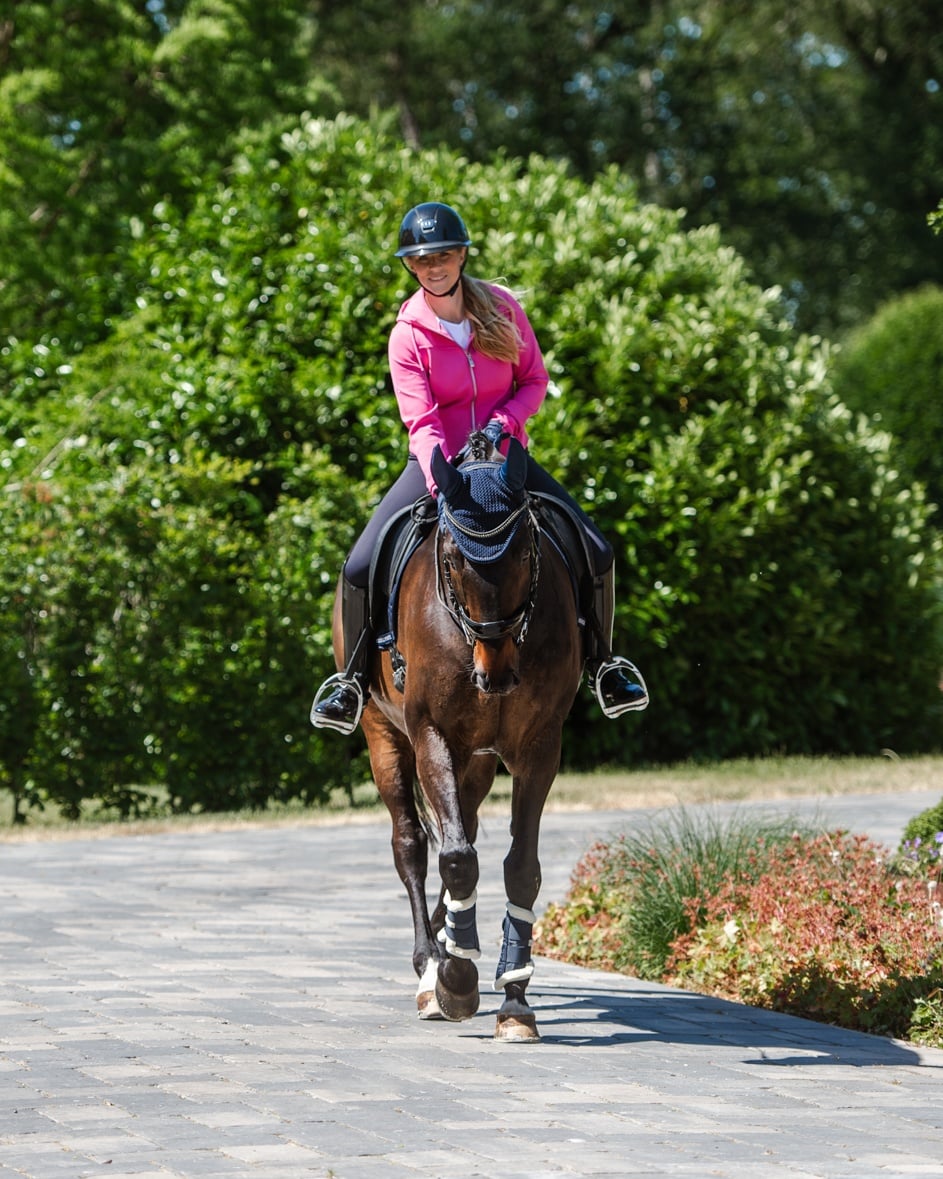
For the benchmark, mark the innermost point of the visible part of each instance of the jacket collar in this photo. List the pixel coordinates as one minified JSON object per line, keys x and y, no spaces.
{"x":417,"y":311}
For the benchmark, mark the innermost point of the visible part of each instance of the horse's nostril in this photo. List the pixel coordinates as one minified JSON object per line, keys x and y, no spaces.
{"x":496,"y":685}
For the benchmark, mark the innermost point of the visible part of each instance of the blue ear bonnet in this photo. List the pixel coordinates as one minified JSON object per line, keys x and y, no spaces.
{"x":484,"y":514}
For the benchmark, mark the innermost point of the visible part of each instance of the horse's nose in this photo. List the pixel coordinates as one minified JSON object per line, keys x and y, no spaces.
{"x":496,"y":686}
{"x":497,"y":669}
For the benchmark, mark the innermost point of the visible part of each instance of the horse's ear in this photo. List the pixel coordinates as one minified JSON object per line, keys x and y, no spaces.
{"x":514,"y":471}
{"x":447,"y":479}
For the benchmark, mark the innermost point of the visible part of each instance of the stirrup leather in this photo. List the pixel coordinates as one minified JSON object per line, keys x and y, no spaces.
{"x":339,"y":680}
{"x":614,"y":710}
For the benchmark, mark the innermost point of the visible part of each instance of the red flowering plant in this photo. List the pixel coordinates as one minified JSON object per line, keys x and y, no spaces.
{"x":830,"y":931}
{"x":585,"y":928}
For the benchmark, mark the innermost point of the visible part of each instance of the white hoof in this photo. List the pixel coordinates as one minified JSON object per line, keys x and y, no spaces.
{"x":427,"y":1004}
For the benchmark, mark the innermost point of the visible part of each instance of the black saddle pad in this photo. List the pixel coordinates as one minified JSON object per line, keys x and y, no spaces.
{"x":567,"y":532}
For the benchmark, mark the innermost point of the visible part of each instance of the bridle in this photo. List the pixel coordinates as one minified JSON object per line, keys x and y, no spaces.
{"x":517,"y":624}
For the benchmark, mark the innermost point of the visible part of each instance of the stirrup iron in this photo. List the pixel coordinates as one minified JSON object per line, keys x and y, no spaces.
{"x":339,"y":680}
{"x":613,"y":710}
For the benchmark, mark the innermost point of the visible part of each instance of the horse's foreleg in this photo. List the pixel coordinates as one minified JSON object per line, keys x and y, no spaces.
{"x":457,"y":976}
{"x":516,"y":1020}
{"x":394,"y":768}
{"x":457,"y":981}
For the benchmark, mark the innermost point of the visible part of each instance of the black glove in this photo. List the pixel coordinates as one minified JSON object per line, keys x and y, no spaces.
{"x":494,"y":432}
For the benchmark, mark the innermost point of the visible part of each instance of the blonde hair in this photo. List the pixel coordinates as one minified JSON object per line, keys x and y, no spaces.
{"x":495,"y":330}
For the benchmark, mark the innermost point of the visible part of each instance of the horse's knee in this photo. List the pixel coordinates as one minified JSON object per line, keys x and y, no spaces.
{"x":409,"y":838}
{"x":458,"y":868}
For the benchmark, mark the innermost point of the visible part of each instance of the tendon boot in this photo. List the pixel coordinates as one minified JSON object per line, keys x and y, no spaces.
{"x":618,"y":684}
{"x":340,"y":699}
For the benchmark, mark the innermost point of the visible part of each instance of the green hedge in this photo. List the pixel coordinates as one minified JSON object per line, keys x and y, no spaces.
{"x":181,"y":496}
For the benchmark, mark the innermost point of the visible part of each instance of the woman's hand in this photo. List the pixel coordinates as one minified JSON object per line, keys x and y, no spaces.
{"x":495,"y":433}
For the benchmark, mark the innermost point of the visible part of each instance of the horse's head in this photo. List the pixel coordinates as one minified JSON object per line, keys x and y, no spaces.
{"x":487,"y":562}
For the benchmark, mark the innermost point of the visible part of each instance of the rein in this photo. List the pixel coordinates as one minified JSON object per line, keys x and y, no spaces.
{"x":484,"y":632}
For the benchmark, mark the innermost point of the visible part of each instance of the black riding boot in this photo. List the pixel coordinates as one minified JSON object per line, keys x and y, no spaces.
{"x":340,"y":699}
{"x":618,"y":684}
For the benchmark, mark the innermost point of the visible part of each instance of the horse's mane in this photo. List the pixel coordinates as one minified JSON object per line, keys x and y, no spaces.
{"x":479,"y":447}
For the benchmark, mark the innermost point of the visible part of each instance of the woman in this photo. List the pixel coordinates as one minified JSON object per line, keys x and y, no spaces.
{"x":463,"y":356}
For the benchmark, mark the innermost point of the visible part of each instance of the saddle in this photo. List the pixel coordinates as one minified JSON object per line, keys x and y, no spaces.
{"x":403,"y":534}
{"x":567,"y":533}
{"x":406,"y":531}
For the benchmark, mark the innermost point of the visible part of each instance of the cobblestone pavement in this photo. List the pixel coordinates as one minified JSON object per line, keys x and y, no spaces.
{"x":239,"y":1005}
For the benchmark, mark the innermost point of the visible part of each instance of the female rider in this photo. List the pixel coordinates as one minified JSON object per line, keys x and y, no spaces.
{"x":463,"y":356}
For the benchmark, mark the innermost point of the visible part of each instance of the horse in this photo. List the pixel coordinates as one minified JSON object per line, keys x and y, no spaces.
{"x":488,"y":633}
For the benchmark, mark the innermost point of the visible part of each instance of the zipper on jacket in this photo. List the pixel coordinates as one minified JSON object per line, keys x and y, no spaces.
{"x":474,"y":381}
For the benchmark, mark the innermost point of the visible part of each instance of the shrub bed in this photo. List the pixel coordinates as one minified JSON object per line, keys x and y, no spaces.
{"x":828,"y":927}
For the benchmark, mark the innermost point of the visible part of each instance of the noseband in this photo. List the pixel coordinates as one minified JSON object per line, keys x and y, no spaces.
{"x":489,"y":632}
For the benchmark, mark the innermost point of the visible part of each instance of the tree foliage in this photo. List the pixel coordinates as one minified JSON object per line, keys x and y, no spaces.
{"x":108,"y":106}
{"x":196,"y":291}
{"x":891,"y":368}
{"x":180,"y":495}
{"x":811,"y":133}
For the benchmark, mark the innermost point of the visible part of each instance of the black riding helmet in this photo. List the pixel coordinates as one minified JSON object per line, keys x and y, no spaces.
{"x":430,"y":228}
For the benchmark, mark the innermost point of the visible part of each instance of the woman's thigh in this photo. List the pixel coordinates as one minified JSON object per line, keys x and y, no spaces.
{"x":409,"y":487}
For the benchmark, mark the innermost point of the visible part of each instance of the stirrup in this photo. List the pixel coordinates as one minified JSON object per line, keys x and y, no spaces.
{"x":614,"y":710}
{"x":339,"y":680}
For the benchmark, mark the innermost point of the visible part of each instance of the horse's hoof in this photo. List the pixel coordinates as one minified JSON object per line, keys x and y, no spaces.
{"x":456,"y":989}
{"x":456,"y":1007}
{"x":516,"y":1029}
{"x":428,"y":1006}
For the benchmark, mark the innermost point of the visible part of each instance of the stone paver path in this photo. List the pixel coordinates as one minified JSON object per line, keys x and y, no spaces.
{"x":240,"y":1004}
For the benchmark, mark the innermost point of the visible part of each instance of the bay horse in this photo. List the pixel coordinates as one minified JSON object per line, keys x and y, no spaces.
{"x":488,"y":628}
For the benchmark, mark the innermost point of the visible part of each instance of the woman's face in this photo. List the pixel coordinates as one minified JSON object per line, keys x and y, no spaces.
{"x":438,"y":272}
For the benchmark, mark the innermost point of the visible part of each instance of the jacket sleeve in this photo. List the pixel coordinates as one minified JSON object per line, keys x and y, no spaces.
{"x":530,"y":378}
{"x":417,"y":407}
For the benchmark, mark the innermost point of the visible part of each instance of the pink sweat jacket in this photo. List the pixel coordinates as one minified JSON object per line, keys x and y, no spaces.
{"x":445,"y":391}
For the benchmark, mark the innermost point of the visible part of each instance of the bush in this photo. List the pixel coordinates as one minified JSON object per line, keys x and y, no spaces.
{"x":828,"y":933}
{"x":205,"y":467}
{"x":892,"y":370}
{"x":165,"y":636}
{"x":926,"y":825}
{"x":826,"y":927}
{"x":920,"y":853}
{"x":630,"y":900}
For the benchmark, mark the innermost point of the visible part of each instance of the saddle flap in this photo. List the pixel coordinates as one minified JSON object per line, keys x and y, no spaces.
{"x":397,"y":542}
{"x":567,"y":532}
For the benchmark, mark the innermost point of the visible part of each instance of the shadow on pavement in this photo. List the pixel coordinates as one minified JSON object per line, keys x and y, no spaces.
{"x":577,"y":1016}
